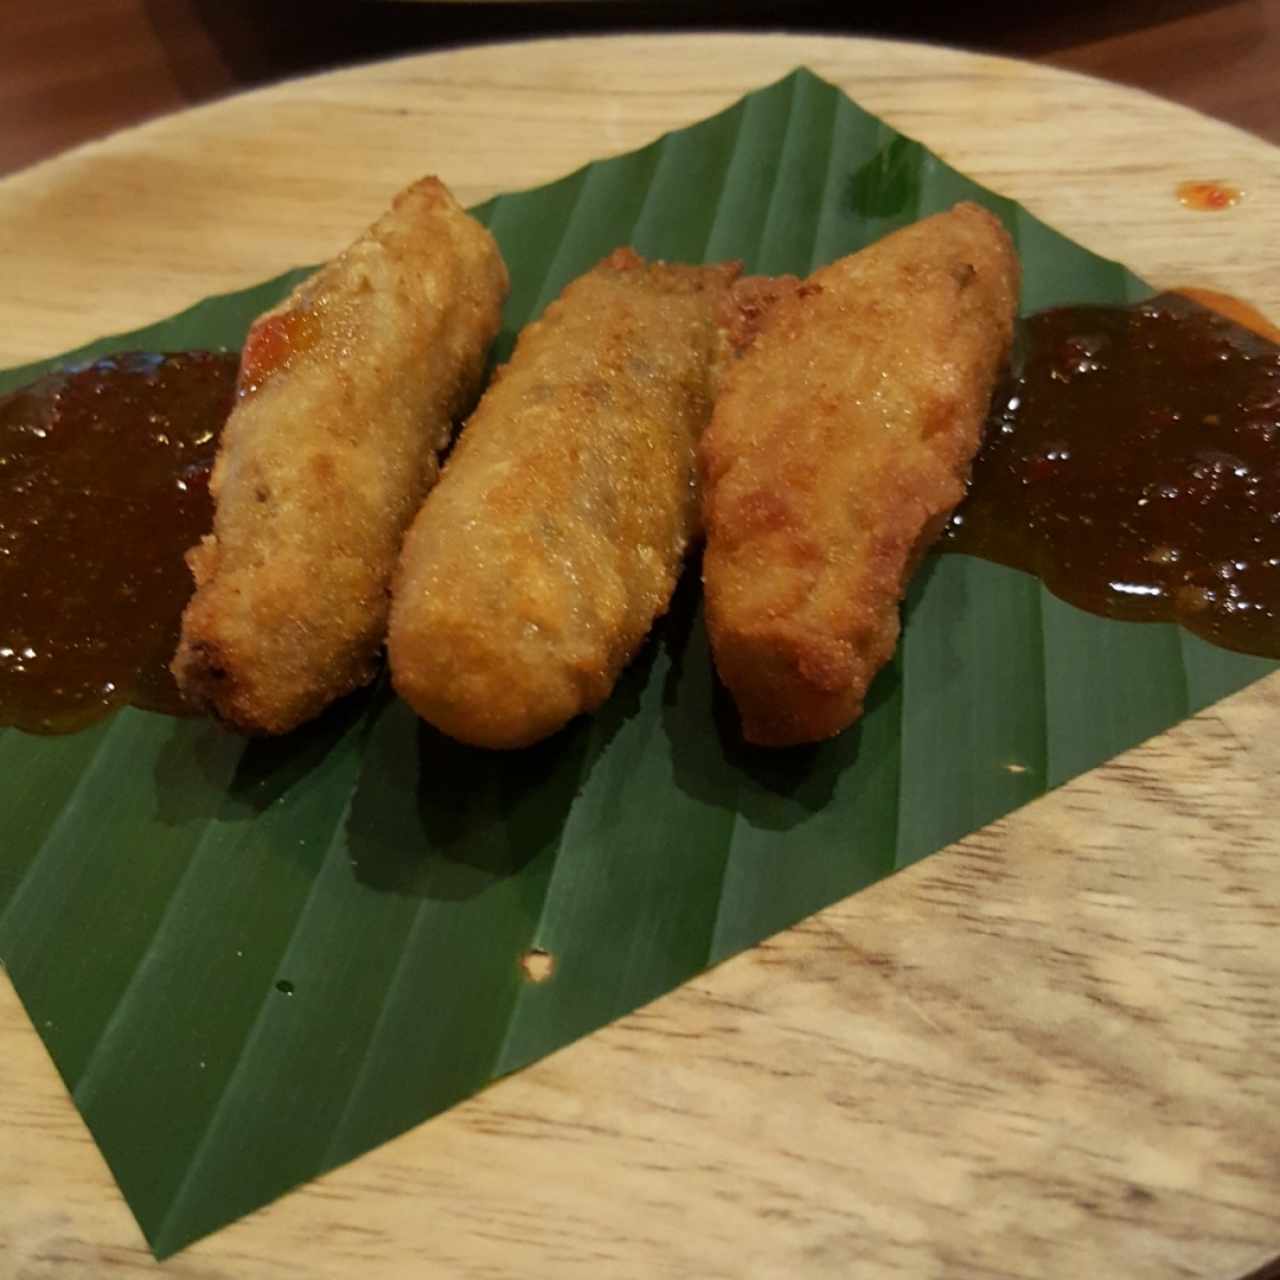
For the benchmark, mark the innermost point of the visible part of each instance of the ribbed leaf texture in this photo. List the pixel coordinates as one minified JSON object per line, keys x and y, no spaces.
{"x":254,"y":961}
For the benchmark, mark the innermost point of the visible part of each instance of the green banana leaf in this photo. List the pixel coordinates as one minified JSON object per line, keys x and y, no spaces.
{"x":244,"y":958}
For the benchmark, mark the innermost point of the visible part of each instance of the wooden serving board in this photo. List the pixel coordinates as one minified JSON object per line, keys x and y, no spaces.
{"x":1051,"y":1050}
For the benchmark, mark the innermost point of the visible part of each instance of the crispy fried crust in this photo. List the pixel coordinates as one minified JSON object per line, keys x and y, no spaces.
{"x":554,"y":539}
{"x":841,"y":442}
{"x":348,"y":391}
{"x":742,"y":311}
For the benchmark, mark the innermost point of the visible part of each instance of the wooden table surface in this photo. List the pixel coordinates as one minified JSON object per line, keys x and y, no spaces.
{"x":1051,"y":1050}
{"x":71,"y":70}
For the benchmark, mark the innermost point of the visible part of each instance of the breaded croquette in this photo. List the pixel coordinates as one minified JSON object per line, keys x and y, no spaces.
{"x":555,"y":536}
{"x":841,"y":441}
{"x":347,"y":392}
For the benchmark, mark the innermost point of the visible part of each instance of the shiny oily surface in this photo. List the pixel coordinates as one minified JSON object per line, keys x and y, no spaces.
{"x":104,"y":475}
{"x":1132,"y":462}
{"x":1209,"y":196}
{"x":1243,"y":313}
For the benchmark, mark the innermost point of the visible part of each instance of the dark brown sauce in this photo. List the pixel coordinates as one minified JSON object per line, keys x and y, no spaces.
{"x":1132,"y":462}
{"x":103,"y":486}
{"x":1243,"y":313}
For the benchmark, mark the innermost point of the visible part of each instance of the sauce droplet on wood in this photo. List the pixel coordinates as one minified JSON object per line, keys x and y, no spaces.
{"x":1209,"y":197}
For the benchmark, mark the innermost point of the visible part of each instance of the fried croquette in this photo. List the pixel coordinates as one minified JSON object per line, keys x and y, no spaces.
{"x":849,"y":412}
{"x":537,"y":566}
{"x":347,"y":392}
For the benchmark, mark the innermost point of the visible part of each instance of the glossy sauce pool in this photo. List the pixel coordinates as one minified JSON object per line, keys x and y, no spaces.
{"x":1132,"y":462}
{"x":103,"y":486}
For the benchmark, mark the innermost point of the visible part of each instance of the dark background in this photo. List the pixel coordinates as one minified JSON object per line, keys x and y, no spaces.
{"x":71,"y":70}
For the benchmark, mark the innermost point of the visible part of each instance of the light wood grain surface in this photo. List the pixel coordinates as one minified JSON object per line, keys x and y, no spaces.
{"x":71,"y":70}
{"x":1052,"y":1050}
